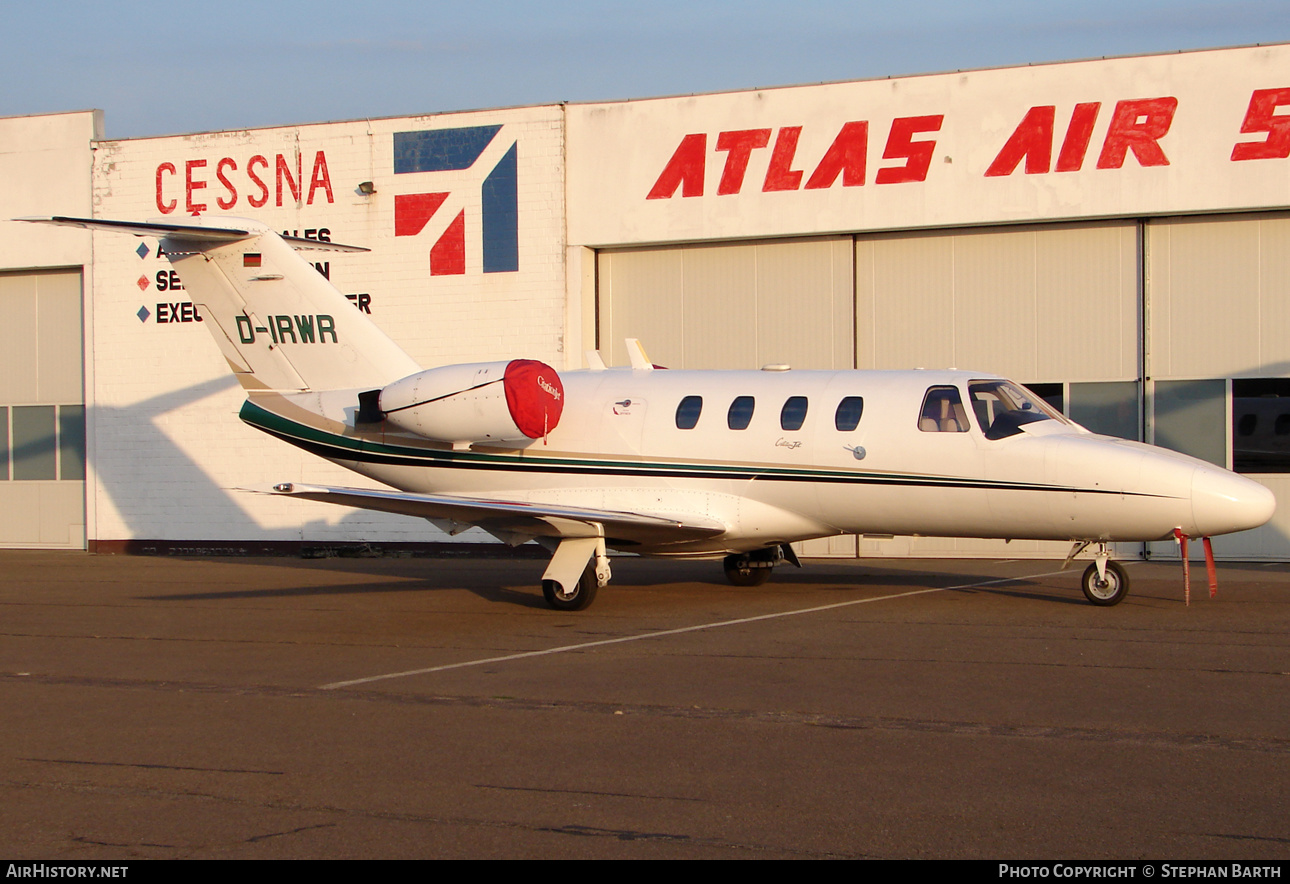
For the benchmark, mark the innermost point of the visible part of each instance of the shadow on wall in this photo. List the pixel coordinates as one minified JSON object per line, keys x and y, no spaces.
{"x":151,"y":482}
{"x":154,"y":486}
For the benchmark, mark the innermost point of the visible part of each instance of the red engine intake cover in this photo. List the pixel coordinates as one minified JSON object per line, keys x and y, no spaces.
{"x":534,"y":395}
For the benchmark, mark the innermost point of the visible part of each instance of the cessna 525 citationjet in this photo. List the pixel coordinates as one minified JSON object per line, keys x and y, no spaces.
{"x":677,"y":463}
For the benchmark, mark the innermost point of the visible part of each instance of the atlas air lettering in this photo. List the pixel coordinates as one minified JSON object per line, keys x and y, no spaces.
{"x":289,"y":329}
{"x":195,"y":184}
{"x":1048,"y":138}
{"x":845,"y":159}
{"x":1136,"y":128}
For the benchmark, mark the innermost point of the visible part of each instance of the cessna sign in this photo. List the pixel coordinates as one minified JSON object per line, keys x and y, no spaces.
{"x":1178,"y":133}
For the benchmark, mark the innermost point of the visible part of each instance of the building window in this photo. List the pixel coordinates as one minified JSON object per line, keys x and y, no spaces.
{"x":1261,"y":425}
{"x":1191,"y":417}
{"x":1107,"y":407}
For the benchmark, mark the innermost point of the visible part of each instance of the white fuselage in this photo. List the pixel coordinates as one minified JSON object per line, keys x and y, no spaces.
{"x":618,"y":447}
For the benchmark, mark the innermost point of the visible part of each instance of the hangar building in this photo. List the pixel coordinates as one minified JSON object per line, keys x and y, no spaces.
{"x":1114,"y":233}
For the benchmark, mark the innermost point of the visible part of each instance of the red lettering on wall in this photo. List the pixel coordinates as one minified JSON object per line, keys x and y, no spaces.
{"x":1138,"y":125}
{"x":448,"y":255}
{"x":226,"y":163}
{"x":190,"y":185}
{"x":1032,"y":141}
{"x":284,"y":171}
{"x":195,"y":181}
{"x":164,"y":207}
{"x":781,"y":175}
{"x":320,"y":178}
{"x":1078,"y":133}
{"x":1261,"y":117}
{"x":685,"y":170}
{"x":258,"y":201}
{"x":845,"y":156}
{"x":900,"y":145}
{"x":740,"y":145}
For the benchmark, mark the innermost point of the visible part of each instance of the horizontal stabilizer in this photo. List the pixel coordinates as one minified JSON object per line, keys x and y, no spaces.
{"x":511,"y":516}
{"x":190,"y":233}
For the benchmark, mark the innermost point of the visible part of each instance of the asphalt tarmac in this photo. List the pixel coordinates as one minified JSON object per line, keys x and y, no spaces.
{"x":436,"y":708}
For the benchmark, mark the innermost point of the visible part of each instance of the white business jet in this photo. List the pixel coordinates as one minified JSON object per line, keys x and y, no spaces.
{"x":679,"y":463}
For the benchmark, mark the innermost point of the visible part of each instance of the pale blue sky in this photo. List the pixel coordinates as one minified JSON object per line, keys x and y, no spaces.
{"x":158,"y":68}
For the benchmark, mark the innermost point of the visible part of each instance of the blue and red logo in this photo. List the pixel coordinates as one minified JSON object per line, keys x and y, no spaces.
{"x":449,"y":150}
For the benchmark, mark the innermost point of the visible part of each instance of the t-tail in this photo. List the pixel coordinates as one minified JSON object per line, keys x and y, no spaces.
{"x":279,"y":323}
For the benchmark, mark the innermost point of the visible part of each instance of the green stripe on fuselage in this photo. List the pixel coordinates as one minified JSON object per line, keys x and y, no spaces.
{"x":338,"y":447}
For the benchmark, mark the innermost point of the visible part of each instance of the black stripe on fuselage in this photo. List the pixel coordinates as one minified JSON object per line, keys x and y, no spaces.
{"x":550,"y":465}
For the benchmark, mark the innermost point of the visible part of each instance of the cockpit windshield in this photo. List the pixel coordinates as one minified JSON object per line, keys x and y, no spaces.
{"x":1002,"y":408}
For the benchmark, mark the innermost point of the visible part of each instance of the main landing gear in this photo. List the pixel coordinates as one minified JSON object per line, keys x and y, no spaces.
{"x":578,"y":568}
{"x":753,"y":568}
{"x":1104,"y":582}
{"x":578,"y":596}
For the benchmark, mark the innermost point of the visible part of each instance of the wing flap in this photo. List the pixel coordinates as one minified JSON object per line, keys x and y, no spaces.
{"x":513,"y":516}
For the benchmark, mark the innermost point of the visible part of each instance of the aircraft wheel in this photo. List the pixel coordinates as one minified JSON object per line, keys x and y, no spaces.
{"x":582,"y":594}
{"x":1110,"y":591}
{"x":740,"y":573}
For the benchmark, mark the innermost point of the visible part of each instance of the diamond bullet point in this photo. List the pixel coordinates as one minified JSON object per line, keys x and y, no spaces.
{"x":142,"y":251}
{"x":142,"y":283}
{"x":143,"y":314}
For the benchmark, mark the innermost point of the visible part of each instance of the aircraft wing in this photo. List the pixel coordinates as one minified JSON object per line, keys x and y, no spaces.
{"x":512,"y":521}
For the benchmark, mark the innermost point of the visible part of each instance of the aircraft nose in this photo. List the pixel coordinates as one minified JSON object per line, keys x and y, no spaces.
{"x":1223,"y":502}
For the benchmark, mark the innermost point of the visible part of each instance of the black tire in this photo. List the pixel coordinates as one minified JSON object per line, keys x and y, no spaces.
{"x":1108,"y":592}
{"x":740,"y":572}
{"x":580,"y":597}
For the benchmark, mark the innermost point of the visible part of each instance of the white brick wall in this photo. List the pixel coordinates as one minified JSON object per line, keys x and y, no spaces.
{"x":169,"y":444}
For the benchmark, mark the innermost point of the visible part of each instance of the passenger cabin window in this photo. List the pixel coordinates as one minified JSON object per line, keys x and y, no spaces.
{"x":1003,"y":408}
{"x":687,"y":413}
{"x":943,"y":411}
{"x":847,"y":417}
{"x":741,"y":412}
{"x":793,"y":414}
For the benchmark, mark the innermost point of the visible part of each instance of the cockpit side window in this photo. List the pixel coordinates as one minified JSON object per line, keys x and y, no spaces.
{"x":1002,"y":408}
{"x":943,"y":412}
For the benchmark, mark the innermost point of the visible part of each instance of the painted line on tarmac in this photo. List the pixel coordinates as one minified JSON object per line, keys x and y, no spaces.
{"x":684,"y":629}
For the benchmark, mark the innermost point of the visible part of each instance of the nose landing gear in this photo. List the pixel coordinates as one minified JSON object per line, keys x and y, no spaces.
{"x":1104,"y":582}
{"x":1105,"y":588}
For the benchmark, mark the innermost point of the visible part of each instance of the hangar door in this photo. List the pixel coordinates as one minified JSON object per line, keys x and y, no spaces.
{"x":1054,"y":304}
{"x":42,"y":411}
{"x":730,"y":306}
{"x":1218,"y":292}
{"x":733,"y":306}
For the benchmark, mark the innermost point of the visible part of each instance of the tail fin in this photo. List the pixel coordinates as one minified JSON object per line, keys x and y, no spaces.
{"x":278,"y":322}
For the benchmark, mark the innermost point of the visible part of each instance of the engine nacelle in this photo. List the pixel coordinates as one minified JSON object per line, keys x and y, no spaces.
{"x":479,"y":402}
